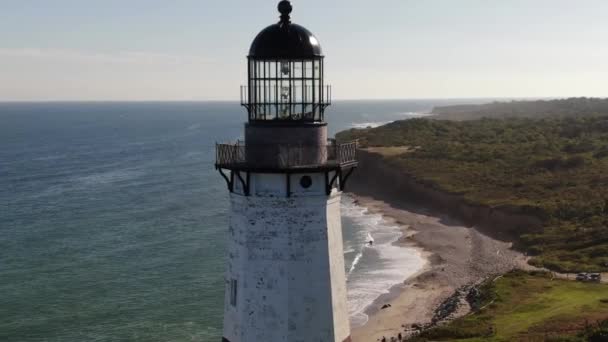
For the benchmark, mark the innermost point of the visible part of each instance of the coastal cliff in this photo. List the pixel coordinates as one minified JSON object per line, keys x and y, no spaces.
{"x":540,"y":183}
{"x":458,"y":257}
{"x":378,"y":178}
{"x":475,"y":194}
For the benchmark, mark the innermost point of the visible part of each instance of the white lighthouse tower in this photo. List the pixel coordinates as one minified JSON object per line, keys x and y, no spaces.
{"x":285,"y":279}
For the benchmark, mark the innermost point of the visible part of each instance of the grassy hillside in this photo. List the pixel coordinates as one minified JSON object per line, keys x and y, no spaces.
{"x":527,"y":307}
{"x":528,"y":109}
{"x":553,"y":168}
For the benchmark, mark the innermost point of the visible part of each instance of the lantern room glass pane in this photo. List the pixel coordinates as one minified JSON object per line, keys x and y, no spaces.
{"x":286,"y":90}
{"x":308,"y":66}
{"x":272,"y":69}
{"x":296,"y":69}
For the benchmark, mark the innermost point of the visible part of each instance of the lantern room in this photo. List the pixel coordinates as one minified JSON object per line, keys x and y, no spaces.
{"x":285,"y":75}
{"x":286,"y":97}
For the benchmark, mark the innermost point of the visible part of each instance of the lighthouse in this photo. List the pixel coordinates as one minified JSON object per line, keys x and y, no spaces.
{"x":285,"y":278}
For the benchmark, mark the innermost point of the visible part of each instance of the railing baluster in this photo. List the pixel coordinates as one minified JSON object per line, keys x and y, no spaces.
{"x":287,"y":155}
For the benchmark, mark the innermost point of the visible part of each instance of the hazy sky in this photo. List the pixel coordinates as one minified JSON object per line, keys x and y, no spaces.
{"x":196,"y":49}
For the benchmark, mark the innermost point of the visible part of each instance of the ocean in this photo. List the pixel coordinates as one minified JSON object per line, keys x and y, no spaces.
{"x":113,"y":219}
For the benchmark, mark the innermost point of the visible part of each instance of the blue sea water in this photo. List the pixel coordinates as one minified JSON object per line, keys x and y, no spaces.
{"x":113,"y":219}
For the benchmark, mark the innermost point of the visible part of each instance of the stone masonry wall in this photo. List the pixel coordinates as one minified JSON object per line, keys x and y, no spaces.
{"x":286,"y":256}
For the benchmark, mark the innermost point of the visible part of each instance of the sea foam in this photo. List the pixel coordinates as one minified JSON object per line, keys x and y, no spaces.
{"x":397,"y":116}
{"x":373,"y":270}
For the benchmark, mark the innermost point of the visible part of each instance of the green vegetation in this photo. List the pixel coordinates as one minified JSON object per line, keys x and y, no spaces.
{"x":531,"y":307}
{"x":554,"y":168}
{"x":526,"y":109}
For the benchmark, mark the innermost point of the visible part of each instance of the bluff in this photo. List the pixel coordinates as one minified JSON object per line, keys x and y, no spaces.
{"x":538,"y":181}
{"x":381,"y":179}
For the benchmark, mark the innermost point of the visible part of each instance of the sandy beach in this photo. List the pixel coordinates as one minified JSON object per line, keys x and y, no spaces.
{"x":457,"y":256}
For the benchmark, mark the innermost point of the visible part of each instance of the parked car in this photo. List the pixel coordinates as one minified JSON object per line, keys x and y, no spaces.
{"x":593,"y":277}
{"x":596,"y":277}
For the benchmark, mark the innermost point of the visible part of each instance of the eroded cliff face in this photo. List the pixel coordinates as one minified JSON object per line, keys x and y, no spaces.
{"x":376,"y":177}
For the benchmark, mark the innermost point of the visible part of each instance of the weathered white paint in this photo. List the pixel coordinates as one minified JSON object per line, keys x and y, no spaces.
{"x":286,"y":254}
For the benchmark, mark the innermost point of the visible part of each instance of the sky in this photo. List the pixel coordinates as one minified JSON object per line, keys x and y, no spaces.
{"x":141,"y":50}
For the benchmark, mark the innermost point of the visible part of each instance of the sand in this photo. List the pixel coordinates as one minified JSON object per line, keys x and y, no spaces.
{"x":457,"y":256}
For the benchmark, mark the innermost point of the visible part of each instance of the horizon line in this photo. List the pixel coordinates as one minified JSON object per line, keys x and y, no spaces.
{"x":523,"y":98}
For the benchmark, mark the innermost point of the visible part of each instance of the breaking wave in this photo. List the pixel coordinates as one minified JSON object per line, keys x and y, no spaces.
{"x":372,"y":270}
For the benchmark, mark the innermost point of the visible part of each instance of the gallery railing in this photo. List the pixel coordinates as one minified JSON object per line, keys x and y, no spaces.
{"x":240,"y":155}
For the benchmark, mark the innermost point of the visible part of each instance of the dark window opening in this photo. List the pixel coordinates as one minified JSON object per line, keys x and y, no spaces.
{"x":233,"y":292}
{"x":306,"y":182}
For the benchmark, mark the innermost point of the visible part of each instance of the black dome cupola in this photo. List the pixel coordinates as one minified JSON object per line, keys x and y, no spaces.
{"x":285,"y":74}
{"x":285,"y":40}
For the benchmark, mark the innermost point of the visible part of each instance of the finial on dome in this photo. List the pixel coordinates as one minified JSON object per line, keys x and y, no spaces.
{"x":285,"y":8}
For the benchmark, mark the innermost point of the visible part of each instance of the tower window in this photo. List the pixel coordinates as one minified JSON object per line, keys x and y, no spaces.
{"x":306,"y":182}
{"x":233,"y":292}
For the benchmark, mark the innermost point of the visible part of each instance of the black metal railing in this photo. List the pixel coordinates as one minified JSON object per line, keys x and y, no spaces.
{"x":346,"y":153}
{"x":240,"y":155}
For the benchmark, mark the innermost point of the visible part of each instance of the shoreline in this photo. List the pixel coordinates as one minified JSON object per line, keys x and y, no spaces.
{"x":456,"y":256}
{"x":376,"y":269}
